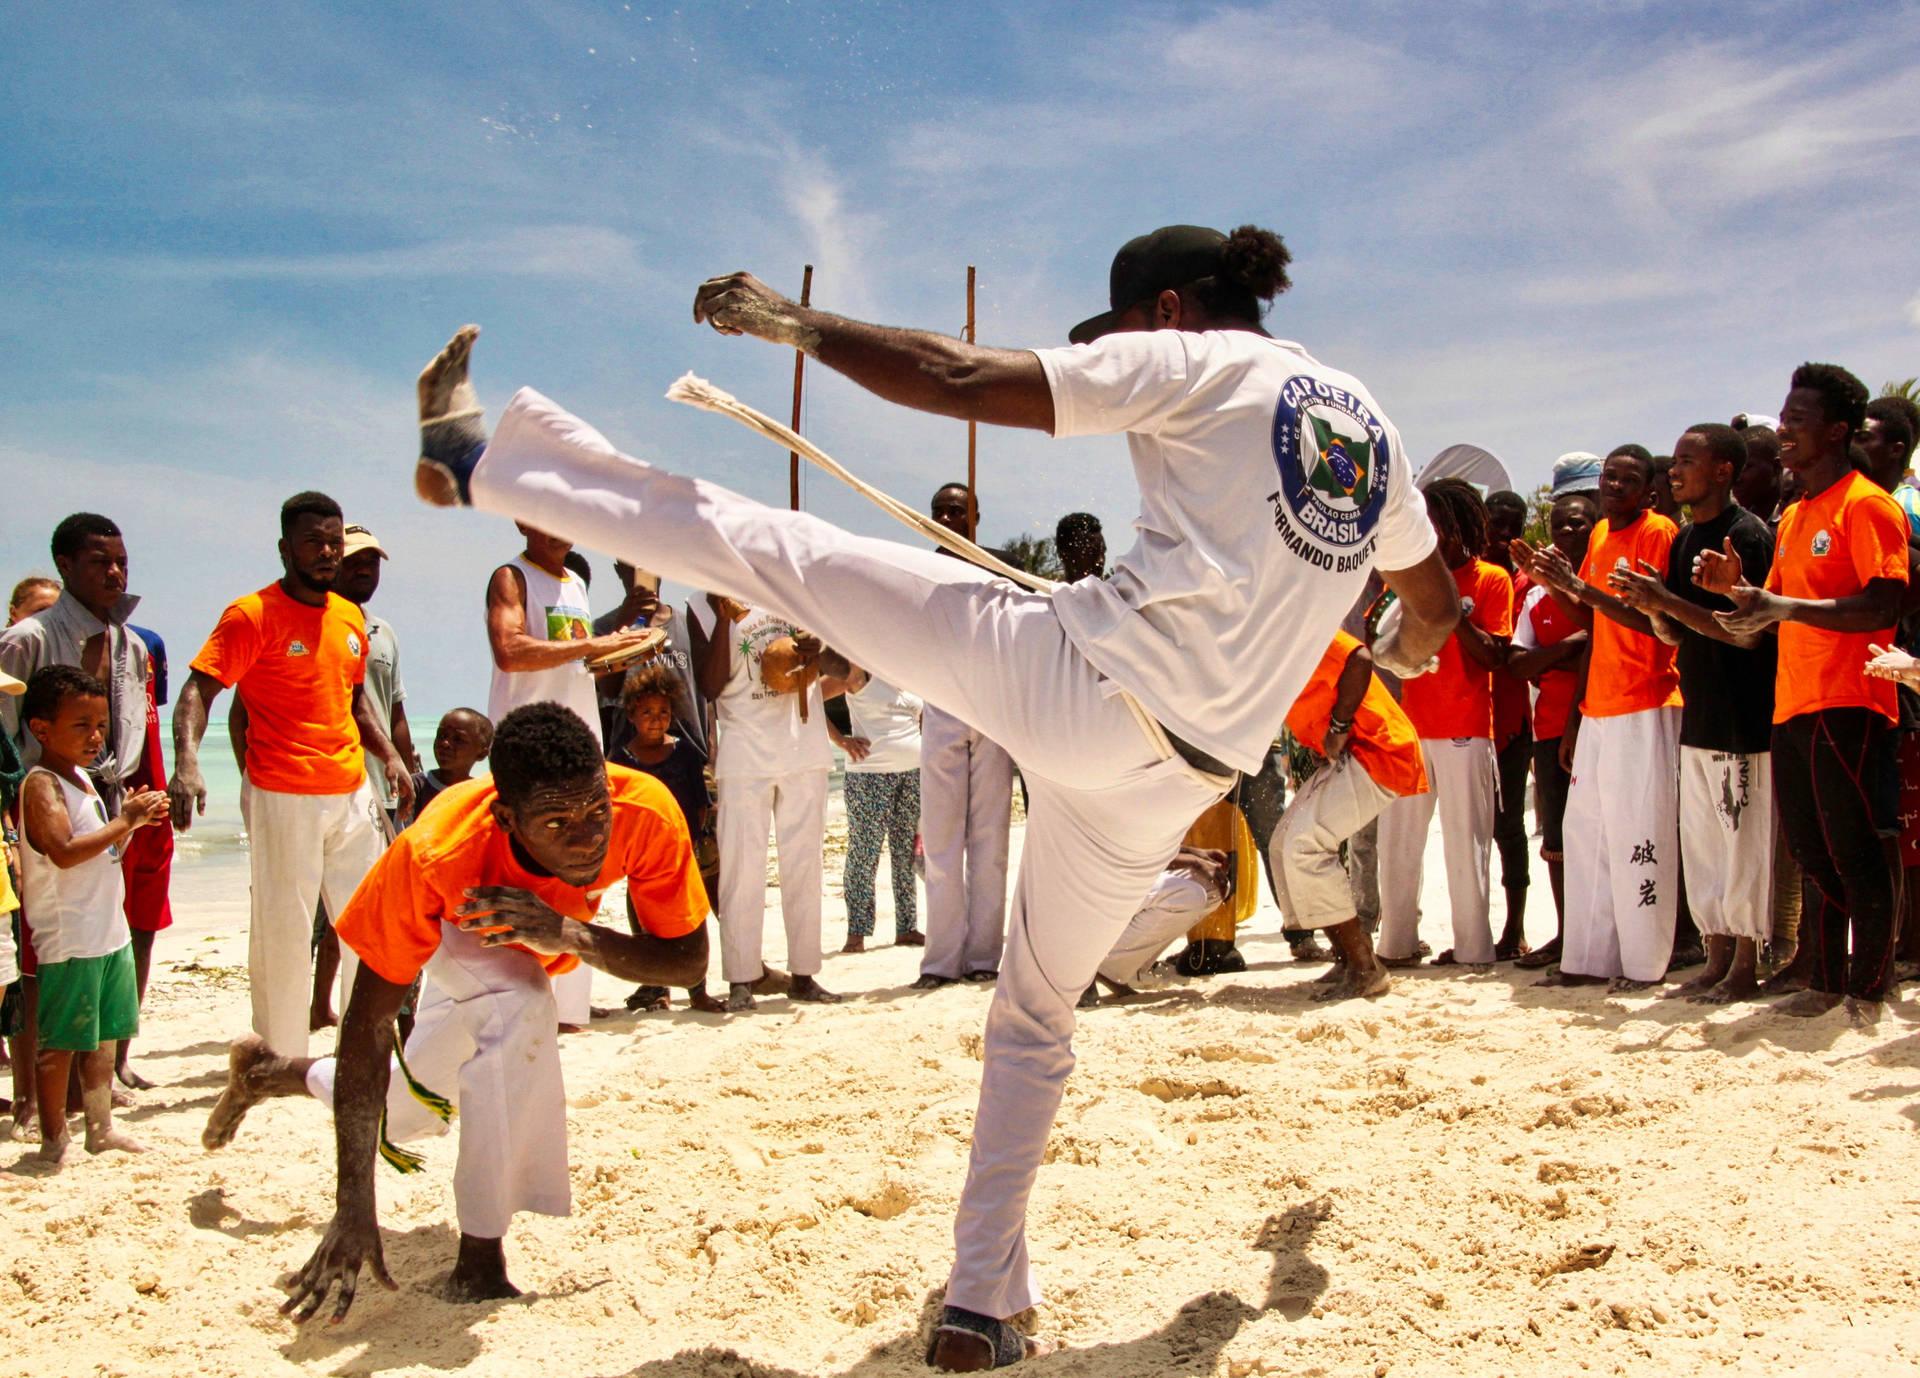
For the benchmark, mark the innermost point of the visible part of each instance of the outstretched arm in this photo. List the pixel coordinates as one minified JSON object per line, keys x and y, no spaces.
{"x":359,"y":1098}
{"x":915,"y":368}
{"x":1429,"y":611}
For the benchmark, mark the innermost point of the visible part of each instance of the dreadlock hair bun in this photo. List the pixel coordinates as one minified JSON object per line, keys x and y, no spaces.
{"x":1256,"y":260}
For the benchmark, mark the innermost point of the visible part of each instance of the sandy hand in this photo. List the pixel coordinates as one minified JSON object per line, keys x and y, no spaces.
{"x":347,"y":1244}
{"x":741,"y":304}
{"x":501,"y":914}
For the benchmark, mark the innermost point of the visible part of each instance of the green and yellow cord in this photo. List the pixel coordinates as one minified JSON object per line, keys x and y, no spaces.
{"x":400,"y":1159}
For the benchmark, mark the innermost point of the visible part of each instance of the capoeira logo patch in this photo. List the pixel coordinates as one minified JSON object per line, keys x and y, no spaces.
{"x":1822,"y":542}
{"x":353,"y":644}
{"x":1331,"y":453}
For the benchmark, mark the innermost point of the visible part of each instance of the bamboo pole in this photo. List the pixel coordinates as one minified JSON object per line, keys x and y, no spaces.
{"x":973,"y":432}
{"x":799,"y":373}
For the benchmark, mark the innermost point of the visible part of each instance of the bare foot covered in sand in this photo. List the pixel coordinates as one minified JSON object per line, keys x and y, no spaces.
{"x":1355,"y":984}
{"x":1810,"y":1004}
{"x":805,"y":988}
{"x":1731,"y":991}
{"x":700,"y":1001}
{"x":1559,"y":976}
{"x":480,"y":1274}
{"x":452,"y":434}
{"x":112,"y":1139}
{"x":251,"y":1067}
{"x":1864,"y":1014}
{"x":131,"y":1079}
{"x":740,"y":997}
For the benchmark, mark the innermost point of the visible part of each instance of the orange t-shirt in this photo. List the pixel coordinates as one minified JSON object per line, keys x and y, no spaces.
{"x":393,"y":920}
{"x":1383,"y":740}
{"x":295,"y":668}
{"x":1831,"y":546}
{"x":1456,"y":700}
{"x":1628,"y":671}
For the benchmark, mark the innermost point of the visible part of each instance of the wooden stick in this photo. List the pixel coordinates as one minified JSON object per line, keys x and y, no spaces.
{"x":973,"y":432}
{"x":698,"y":392}
{"x":799,"y":372}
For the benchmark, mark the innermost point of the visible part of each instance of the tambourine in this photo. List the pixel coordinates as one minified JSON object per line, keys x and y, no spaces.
{"x":646,"y":646}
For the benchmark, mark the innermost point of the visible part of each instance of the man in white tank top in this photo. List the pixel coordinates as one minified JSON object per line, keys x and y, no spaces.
{"x":1270,"y":484}
{"x":540,"y":630}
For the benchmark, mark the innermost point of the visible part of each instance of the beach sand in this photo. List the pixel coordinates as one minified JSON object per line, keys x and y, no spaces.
{"x":1469,"y":1176}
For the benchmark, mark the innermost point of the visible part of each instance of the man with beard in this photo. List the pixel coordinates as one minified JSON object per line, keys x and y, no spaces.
{"x":296,"y":654}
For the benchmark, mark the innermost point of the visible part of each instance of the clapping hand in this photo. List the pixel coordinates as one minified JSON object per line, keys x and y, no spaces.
{"x":1890,"y":662}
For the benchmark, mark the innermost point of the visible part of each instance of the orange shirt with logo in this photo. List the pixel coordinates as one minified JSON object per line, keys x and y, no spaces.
{"x":1831,"y":546}
{"x":295,"y":667}
{"x":1383,"y":740}
{"x":1628,"y":671}
{"x":393,"y":922}
{"x":1456,"y":700}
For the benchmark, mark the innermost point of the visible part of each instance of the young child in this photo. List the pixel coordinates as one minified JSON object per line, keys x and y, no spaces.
{"x":70,"y":855}
{"x":646,"y":701}
{"x":461,"y":742}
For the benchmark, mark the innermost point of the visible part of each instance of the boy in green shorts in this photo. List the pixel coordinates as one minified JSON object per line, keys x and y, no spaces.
{"x":74,"y":892}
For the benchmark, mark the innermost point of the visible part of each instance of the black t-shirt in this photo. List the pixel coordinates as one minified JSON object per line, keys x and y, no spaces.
{"x":682,"y":773}
{"x":1728,"y":691}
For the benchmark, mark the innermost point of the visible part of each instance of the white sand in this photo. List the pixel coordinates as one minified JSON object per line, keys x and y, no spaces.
{"x":1240,"y":1183}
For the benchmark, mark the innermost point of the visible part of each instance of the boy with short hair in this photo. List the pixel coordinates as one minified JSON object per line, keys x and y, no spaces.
{"x":648,"y":698}
{"x":70,"y":862}
{"x":461,"y":742}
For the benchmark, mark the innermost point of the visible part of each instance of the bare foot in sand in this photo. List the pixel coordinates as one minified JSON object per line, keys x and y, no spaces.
{"x":812,"y":992}
{"x":132,"y":1080}
{"x":703,"y":1003}
{"x":113,"y":1140}
{"x":854,"y":943}
{"x":1559,"y":976}
{"x":1626,"y":985}
{"x":1810,"y":1004}
{"x":1864,"y":1014}
{"x":913,"y":937}
{"x":254,"y":1073}
{"x":740,"y":997}
{"x":773,"y":981}
{"x":53,"y":1152}
{"x":481,"y":1272}
{"x":1731,"y":991}
{"x":452,"y":434}
{"x":1357,"y":984}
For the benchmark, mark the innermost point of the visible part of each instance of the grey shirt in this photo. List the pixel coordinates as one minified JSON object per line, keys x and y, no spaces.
{"x":58,"y":636}
{"x":383,"y":689}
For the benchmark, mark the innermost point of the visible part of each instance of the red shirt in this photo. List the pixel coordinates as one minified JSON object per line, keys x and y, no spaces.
{"x":1546,"y":623}
{"x":1509,"y":690}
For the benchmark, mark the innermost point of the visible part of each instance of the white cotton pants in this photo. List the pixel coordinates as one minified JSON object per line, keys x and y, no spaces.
{"x":1726,"y":841}
{"x":1303,"y":855}
{"x":485,"y":1037}
{"x":966,"y":816}
{"x":1106,"y":812}
{"x":1622,"y":833}
{"x":573,"y":997}
{"x":796,"y":805}
{"x":1462,"y":785}
{"x":1179,"y":900}
{"x":301,"y":849}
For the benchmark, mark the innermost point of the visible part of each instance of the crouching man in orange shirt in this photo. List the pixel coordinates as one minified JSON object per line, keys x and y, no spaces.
{"x":491,"y":894}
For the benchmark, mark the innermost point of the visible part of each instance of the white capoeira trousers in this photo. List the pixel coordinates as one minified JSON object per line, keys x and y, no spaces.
{"x":1623,"y":846}
{"x":1726,"y":841}
{"x":301,"y":848}
{"x":486,"y":1038}
{"x":1106,"y":812}
{"x":1311,"y":883}
{"x":966,"y":815}
{"x":1178,"y":901}
{"x":796,"y":805}
{"x":1463,"y":786}
{"x":573,"y":997}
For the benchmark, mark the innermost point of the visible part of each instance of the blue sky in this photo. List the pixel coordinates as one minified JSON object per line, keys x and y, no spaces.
{"x":230,"y":235}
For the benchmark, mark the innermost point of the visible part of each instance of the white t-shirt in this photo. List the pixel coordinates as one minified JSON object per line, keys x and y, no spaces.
{"x":1269,"y":484}
{"x":889,"y":719}
{"x":75,"y":912}
{"x":760,"y":731}
{"x":384,"y":689}
{"x":556,"y":611}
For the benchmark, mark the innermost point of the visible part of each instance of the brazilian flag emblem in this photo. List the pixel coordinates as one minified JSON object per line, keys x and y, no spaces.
{"x":1343,"y":466}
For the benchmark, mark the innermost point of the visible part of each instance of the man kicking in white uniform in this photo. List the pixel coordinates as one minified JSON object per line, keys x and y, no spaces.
{"x":1270,"y":485}
{"x":491,"y":892}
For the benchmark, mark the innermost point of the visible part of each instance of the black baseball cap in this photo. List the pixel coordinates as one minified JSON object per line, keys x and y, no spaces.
{"x":1171,"y":256}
